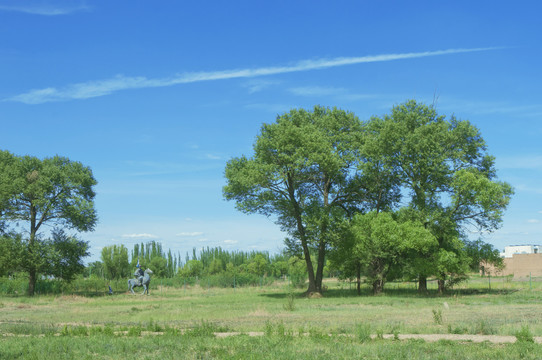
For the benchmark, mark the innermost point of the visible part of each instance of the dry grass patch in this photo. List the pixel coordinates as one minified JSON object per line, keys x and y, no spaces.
{"x":259,"y":312}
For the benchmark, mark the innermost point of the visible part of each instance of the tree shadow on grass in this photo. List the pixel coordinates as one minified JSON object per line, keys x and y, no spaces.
{"x":391,"y":292}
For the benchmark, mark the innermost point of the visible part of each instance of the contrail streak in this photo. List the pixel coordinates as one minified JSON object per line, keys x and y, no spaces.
{"x":97,"y":88}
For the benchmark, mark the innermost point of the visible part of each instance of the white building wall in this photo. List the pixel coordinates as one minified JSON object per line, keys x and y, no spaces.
{"x":509,"y":251}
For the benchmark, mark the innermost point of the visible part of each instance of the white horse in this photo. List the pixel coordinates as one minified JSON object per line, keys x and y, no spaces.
{"x":132,"y":283}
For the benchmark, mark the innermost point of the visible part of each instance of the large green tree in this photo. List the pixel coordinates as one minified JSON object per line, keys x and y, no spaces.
{"x":53,"y":191}
{"x":303,"y":173}
{"x":447,"y":176}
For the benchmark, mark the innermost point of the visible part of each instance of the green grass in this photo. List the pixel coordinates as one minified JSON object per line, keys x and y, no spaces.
{"x":186,"y":319}
{"x":244,"y":347}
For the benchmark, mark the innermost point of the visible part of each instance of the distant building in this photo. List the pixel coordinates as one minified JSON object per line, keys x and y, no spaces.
{"x":511,"y":250}
{"x":519,"y":261}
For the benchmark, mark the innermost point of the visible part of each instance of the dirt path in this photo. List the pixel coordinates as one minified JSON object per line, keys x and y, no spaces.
{"x":496,"y":339}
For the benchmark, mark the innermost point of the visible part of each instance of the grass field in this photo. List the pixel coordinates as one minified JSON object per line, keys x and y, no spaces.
{"x":181,"y":323}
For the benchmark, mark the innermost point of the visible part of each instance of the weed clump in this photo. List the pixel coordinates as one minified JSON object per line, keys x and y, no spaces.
{"x":135,"y":331}
{"x":437,"y":316}
{"x":524,"y":335}
{"x":363,"y":332}
{"x":205,"y":329}
{"x":290,"y":302}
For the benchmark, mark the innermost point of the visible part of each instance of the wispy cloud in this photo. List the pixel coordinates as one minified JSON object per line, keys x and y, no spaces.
{"x":212,"y":157}
{"x":528,"y":162}
{"x":316,"y":91}
{"x":256,"y":85}
{"x":108,"y":86}
{"x":533,"y":221}
{"x":190,"y":234}
{"x":230,"y":242}
{"x":492,"y":107}
{"x":140,"y":236}
{"x":43,"y":8}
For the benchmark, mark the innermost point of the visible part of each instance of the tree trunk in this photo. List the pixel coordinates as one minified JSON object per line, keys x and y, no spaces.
{"x":378,"y":286}
{"x":310,"y":269}
{"x":32,"y":271}
{"x":422,"y":285}
{"x":31,"y":282}
{"x":302,"y":237}
{"x":441,"y":286}
{"x":322,"y":242}
{"x":320,"y":266}
{"x":358,"y":275}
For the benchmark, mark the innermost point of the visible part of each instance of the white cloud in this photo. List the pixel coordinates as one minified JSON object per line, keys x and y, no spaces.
{"x":137,"y":236}
{"x":190,"y":234}
{"x":97,"y":88}
{"x":231,"y":242}
{"x":533,"y":221}
{"x":42,"y":8}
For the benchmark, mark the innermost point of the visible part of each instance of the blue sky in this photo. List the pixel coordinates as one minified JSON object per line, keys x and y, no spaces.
{"x":156,"y":97}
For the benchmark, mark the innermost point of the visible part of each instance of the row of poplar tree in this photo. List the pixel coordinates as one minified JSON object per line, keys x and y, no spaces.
{"x":117,"y":263}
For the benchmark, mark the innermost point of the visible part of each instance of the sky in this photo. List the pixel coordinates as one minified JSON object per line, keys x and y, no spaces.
{"x":156,"y":97}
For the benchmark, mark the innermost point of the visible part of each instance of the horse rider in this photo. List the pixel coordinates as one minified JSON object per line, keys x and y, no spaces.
{"x":139,"y":273}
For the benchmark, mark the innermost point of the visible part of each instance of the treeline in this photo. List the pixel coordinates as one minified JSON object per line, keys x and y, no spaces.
{"x":215,"y":264}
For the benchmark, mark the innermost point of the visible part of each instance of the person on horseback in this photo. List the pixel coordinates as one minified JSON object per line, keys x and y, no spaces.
{"x":139,"y":273}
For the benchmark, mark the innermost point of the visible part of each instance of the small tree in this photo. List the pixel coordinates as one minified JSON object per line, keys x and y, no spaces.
{"x":66,"y":255}
{"x":115,"y":260}
{"x":258,"y":265}
{"x":381,"y":242}
{"x":482,"y":254}
{"x":192,"y":268}
{"x":158,"y":266}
